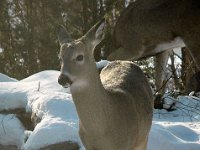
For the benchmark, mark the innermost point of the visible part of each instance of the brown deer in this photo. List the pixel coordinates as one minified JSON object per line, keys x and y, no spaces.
{"x":150,"y":27}
{"x":115,"y":107}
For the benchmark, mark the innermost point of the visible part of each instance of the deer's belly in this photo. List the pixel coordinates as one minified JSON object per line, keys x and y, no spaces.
{"x":177,"y":42}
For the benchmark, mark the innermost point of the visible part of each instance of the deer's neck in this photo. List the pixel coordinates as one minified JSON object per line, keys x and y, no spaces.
{"x":90,"y":98}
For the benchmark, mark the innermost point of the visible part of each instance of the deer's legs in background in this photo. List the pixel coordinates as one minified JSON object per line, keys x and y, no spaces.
{"x":161,"y":70}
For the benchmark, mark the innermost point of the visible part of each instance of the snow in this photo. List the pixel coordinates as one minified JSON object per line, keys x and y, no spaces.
{"x":46,"y":81}
{"x":11,"y":131}
{"x":54,"y":127}
{"x":42,"y":95}
{"x":187,"y":110}
{"x":58,"y":118}
{"x":102,"y":63}
{"x":9,"y":97}
{"x":167,"y":136}
{"x":5,"y":78}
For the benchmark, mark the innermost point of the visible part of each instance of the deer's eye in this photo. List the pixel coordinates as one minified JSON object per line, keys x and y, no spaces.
{"x":79,"y":58}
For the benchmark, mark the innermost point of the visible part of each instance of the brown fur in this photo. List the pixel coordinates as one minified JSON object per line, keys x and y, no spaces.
{"x":8,"y":147}
{"x":62,"y":146}
{"x":145,"y":24}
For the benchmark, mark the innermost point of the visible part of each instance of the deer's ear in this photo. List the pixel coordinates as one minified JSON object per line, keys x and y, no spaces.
{"x":63,"y":36}
{"x":96,"y":33}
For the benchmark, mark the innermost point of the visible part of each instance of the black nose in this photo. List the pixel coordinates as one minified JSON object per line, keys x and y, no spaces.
{"x":63,"y":80}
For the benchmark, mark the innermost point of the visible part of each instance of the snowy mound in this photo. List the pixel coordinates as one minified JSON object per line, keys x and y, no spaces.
{"x":46,"y":81}
{"x":41,"y":95}
{"x":59,"y":120}
{"x":45,"y":76}
{"x":173,"y":136}
{"x":11,"y":131}
{"x":5,"y":78}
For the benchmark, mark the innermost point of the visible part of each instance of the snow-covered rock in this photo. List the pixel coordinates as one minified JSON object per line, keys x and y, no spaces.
{"x":11,"y":131}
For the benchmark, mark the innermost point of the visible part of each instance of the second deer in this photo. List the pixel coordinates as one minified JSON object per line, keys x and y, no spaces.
{"x":151,"y":27}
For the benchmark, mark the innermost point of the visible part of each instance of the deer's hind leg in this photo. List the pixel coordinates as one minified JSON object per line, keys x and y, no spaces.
{"x":161,"y":70}
{"x":193,"y":45}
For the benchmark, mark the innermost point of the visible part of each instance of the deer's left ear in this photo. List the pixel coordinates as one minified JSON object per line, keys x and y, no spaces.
{"x":63,"y":36}
{"x":96,"y":33}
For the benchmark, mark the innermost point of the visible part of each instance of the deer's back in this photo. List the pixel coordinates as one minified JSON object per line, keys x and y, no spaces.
{"x":126,"y":76}
{"x":132,"y":95}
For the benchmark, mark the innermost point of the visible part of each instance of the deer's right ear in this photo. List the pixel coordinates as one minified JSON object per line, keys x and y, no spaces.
{"x":96,"y":34}
{"x":63,"y":36}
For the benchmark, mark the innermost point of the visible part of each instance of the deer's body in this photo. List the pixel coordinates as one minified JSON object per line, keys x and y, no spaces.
{"x":115,"y":108}
{"x":150,"y":27}
{"x":120,"y":117}
{"x":147,"y":28}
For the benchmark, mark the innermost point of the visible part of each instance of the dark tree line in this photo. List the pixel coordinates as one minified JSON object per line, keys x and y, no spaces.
{"x":28,"y":38}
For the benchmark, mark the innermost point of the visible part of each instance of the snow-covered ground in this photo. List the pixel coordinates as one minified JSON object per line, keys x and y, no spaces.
{"x":41,"y":94}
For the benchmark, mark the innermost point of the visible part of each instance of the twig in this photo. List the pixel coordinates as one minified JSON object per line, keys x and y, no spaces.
{"x":189,"y":110}
{"x":38,"y":86}
{"x":194,"y":98}
{"x":177,"y":101}
{"x":3,"y":125}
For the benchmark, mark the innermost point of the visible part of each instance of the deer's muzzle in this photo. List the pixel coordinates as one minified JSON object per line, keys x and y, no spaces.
{"x":64,"y":80}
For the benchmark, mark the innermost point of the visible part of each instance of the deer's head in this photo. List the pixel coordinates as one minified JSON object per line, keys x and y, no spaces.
{"x":76,"y":56}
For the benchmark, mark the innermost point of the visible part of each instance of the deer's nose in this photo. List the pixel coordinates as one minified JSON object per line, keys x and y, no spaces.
{"x":63,"y":80}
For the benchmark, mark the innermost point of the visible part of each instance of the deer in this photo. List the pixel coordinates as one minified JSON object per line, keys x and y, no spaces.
{"x":153,"y":27}
{"x":115,"y":106}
